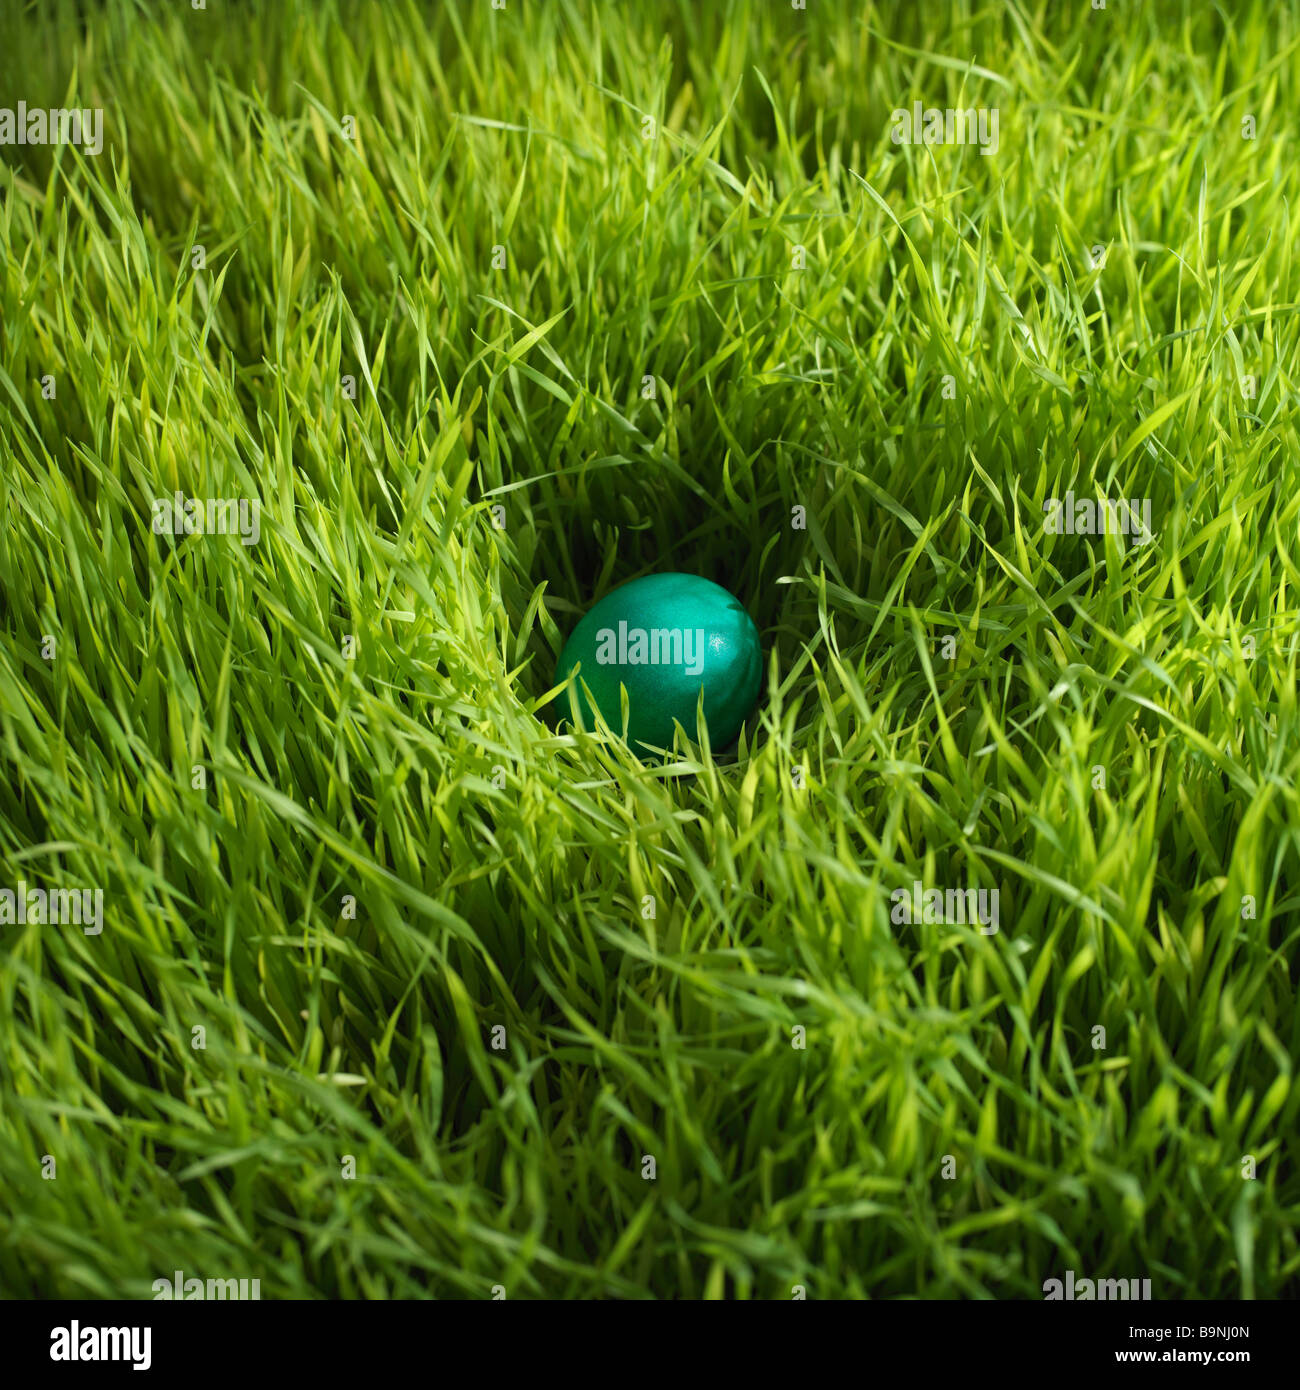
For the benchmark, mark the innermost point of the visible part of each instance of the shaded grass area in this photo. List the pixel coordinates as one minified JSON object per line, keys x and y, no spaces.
{"x":460,"y":970}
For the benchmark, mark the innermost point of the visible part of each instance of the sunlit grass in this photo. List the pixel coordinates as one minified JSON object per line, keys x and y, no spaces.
{"x":409,"y":909}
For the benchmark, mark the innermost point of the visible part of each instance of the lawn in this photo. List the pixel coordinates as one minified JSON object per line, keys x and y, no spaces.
{"x":438,"y":323}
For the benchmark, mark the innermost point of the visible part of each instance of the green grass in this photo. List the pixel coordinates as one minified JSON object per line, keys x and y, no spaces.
{"x":501,"y":863}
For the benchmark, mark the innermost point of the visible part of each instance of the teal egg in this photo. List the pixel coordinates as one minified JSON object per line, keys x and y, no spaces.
{"x":666,"y":637}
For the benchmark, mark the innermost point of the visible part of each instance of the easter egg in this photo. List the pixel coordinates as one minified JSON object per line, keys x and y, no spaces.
{"x":666,"y":637}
